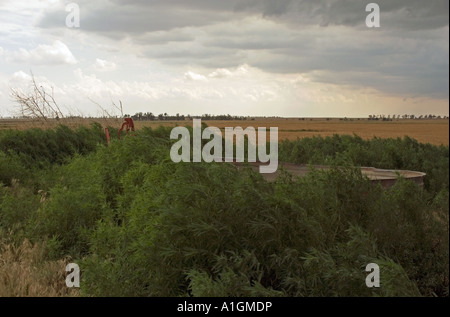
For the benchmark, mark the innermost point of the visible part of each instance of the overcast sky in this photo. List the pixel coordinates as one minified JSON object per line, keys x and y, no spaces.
{"x":242,"y":57}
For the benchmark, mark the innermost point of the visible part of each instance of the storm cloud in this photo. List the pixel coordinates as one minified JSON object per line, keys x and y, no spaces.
{"x":329,"y":39}
{"x":162,"y":43}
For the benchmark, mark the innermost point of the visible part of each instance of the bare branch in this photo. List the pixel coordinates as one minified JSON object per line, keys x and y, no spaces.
{"x":37,"y":104}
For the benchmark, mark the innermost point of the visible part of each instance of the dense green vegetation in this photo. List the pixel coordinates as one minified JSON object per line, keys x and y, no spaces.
{"x":140,"y":225}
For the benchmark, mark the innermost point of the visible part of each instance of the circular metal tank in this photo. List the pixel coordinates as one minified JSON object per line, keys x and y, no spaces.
{"x":385,"y":177}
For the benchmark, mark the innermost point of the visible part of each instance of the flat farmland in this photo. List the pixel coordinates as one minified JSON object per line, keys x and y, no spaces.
{"x":425,"y":131}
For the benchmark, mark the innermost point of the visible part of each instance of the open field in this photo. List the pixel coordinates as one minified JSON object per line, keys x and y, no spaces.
{"x":425,"y":131}
{"x":435,"y":132}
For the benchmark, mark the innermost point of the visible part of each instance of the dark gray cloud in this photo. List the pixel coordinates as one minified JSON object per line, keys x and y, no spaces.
{"x":407,"y":55}
{"x":405,"y":14}
{"x":136,"y":17}
{"x":155,"y":15}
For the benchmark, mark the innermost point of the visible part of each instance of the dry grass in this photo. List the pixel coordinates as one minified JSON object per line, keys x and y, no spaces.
{"x":25,"y":272}
{"x":426,"y":131}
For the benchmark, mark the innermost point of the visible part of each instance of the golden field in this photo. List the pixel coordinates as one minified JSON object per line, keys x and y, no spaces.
{"x":425,"y":131}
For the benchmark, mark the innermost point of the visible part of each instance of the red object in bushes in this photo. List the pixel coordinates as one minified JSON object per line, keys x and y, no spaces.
{"x":128,"y":123}
{"x":107,"y":135}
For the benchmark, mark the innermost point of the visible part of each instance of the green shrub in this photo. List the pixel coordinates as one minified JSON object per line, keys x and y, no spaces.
{"x":398,"y":153}
{"x":72,"y":209}
{"x":141,"y":225}
{"x":17,"y":205}
{"x":209,"y":230}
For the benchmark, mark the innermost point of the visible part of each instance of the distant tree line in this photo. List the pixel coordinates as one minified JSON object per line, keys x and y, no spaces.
{"x":149,"y":116}
{"x":383,"y":117}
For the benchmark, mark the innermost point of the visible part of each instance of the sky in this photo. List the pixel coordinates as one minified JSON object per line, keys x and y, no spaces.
{"x":288,"y":58}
